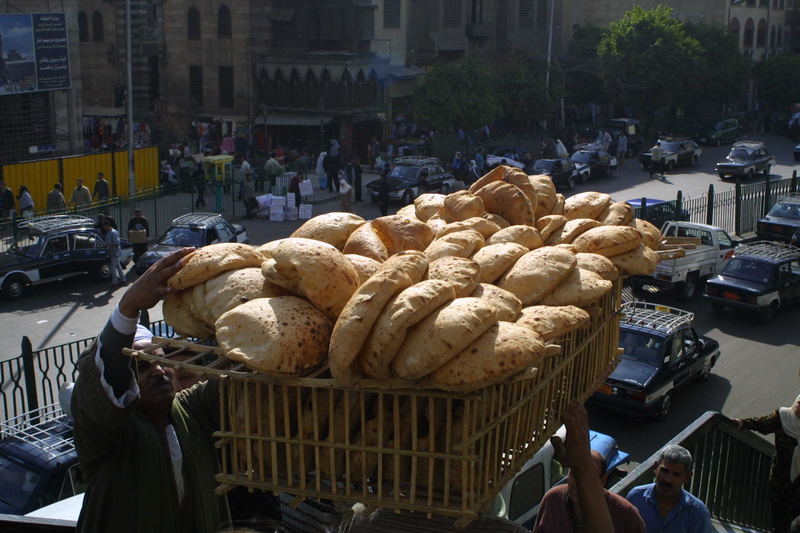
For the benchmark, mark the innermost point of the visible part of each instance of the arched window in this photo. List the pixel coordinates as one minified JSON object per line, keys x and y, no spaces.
{"x":193,"y":23}
{"x":748,"y":33}
{"x":224,"y":22}
{"x":83,"y":27}
{"x":734,"y":28}
{"x":97,"y":27}
{"x":282,"y":90}
{"x":328,"y":90}
{"x":297,"y":94}
{"x":312,"y":90}
{"x":761,"y":36}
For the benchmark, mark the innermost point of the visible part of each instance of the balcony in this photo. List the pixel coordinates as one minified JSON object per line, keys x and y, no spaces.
{"x":480,"y":30}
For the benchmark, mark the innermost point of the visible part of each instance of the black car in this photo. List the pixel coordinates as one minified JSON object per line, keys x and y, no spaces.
{"x":676,"y":152}
{"x":746,"y":159}
{"x":411,"y":176}
{"x":724,"y":131}
{"x":193,"y":229}
{"x":782,"y":221}
{"x":54,"y":248}
{"x":761,"y":276}
{"x":661,"y":352}
{"x":632,"y":129}
{"x":561,"y":170}
{"x":592,"y":161}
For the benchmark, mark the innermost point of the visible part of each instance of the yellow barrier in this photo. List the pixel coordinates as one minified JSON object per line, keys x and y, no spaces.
{"x":38,"y":176}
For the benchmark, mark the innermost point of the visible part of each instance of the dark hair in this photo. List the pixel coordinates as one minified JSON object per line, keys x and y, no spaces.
{"x":676,"y":454}
{"x":57,"y":186}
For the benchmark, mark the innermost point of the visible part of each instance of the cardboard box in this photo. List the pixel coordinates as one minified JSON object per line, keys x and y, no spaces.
{"x":137,"y":236}
{"x":275,"y":216}
{"x":305,"y":211}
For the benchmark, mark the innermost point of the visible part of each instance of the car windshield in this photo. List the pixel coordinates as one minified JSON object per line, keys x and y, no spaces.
{"x":785,"y":210}
{"x":739,"y":153}
{"x":544,"y":165}
{"x":749,"y":270}
{"x":582,"y":157}
{"x":669,"y":146}
{"x":182,"y":237}
{"x":28,"y":245}
{"x":403,"y":172}
{"x":642,"y":347}
{"x":17,"y":483}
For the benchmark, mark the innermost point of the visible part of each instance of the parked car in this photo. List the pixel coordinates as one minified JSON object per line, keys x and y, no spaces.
{"x":724,"y":131}
{"x":55,"y":247}
{"x":633,"y":131}
{"x":658,"y":212}
{"x":507,"y":155}
{"x":762,"y":276}
{"x":662,"y":352}
{"x":687,"y":274}
{"x":38,"y":461}
{"x":192,"y":229}
{"x":796,"y":152}
{"x":561,"y":170}
{"x":745,"y":160}
{"x":592,"y":161}
{"x":782,"y":222}
{"x":676,"y":151}
{"x":411,"y":176}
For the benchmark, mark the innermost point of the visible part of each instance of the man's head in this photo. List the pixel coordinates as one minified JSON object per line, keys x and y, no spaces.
{"x":105,"y":223}
{"x":57,"y":186}
{"x":272,"y":155}
{"x":99,"y":176}
{"x":673,"y":470}
{"x":600,"y":463}
{"x":137,"y":212}
{"x":156,"y":389}
{"x":79,"y":181}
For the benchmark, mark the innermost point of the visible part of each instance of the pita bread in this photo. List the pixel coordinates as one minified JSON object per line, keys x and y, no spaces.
{"x":520,"y":180}
{"x":586,"y":205}
{"x":212,"y":260}
{"x":236,"y":287}
{"x":508,"y":201}
{"x":581,"y":288}
{"x":315,"y":270}
{"x":600,"y":265}
{"x":558,"y":207}
{"x":537,"y":273}
{"x":501,"y":352}
{"x":461,"y":272}
{"x":365,"y":266}
{"x":177,"y":313}
{"x":496,"y":259}
{"x":651,"y":236}
{"x":527,"y":236}
{"x":497,"y":219}
{"x":617,"y":214}
{"x":549,"y":224}
{"x":485,"y":227}
{"x":550,"y":322}
{"x":571,"y":230}
{"x":359,"y":314}
{"x":333,"y":228}
{"x":408,"y":211}
{"x":282,"y":335}
{"x":641,"y":261}
{"x":608,"y":240}
{"x":266,"y":249}
{"x":436,"y":223}
{"x":507,"y":305}
{"x":498,"y":173}
{"x":442,"y":335}
{"x":438,"y":249}
{"x":406,"y":309}
{"x":198,"y":306}
{"x":461,"y":205}
{"x":399,"y":233}
{"x":469,"y":239}
{"x":545,"y":194}
{"x":426,"y":205}
{"x":366,"y":241}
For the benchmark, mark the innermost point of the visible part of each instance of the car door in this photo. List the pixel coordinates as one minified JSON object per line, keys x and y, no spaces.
{"x":55,"y":258}
{"x":726,"y":246}
{"x":680,"y":361}
{"x":88,"y":251}
{"x":789,"y":282}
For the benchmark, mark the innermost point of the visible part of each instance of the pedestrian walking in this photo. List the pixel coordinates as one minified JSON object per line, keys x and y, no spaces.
{"x":102,"y":190}
{"x":138,"y":223}
{"x":622,"y":149}
{"x":272,"y":169}
{"x":55,"y":199}
{"x":25,"y":202}
{"x":7,"y":202}
{"x":357,"y":172}
{"x":320,"y":170}
{"x":245,"y":169}
{"x":345,"y":193}
{"x":114,"y":252}
{"x":332,"y":165}
{"x":247,"y":194}
{"x":480,"y":161}
{"x":473,"y":175}
{"x":200,"y":187}
{"x":80,"y":195}
{"x":383,"y":194}
{"x":657,"y":160}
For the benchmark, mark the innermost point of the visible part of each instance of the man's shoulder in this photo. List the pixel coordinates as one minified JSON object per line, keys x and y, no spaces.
{"x":692,"y":501}
{"x":639,"y":492}
{"x":615,"y":501}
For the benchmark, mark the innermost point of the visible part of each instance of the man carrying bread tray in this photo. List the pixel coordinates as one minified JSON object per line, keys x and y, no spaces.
{"x":146,"y":453}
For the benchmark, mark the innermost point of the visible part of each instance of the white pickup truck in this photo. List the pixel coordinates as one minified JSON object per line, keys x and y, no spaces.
{"x":686,"y":274}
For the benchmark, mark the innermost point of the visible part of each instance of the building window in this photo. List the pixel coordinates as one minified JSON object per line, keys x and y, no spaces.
{"x":525,"y":13}
{"x":541,"y":14}
{"x":193,"y":23}
{"x":97,"y":27}
{"x":196,"y":84}
{"x":391,"y":13}
{"x":224,"y":22}
{"x":477,"y":12}
{"x":226,"y":87}
{"x":153,"y":81}
{"x":748,"y":33}
{"x":452,"y":14}
{"x":761,"y":36}
{"x":83,"y":27}
{"x":734,"y":28}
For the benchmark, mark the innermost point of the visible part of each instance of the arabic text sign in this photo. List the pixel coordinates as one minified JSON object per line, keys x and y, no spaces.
{"x":34,"y":53}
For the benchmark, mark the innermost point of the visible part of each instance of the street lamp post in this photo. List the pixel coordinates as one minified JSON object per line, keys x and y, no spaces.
{"x":129,"y":69}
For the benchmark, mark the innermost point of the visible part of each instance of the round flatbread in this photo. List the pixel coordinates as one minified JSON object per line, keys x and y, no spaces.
{"x":569,"y":231}
{"x":461,"y":205}
{"x":281,"y":335}
{"x":600,"y":265}
{"x":550,"y":322}
{"x":469,"y":239}
{"x":400,"y":233}
{"x":617,"y":214}
{"x":641,"y":261}
{"x":333,"y":228}
{"x":438,"y":249}
{"x":580,"y":287}
{"x":408,"y":211}
{"x":496,"y":259}
{"x":608,"y":240}
{"x":508,"y":201}
{"x":520,"y":180}
{"x":549,"y":224}
{"x":426,"y":205}
{"x":212,"y":260}
{"x":586,"y":205}
{"x":537,"y":273}
{"x":366,"y":241}
{"x":498,"y":173}
{"x":527,"y":236}
{"x":177,"y":313}
{"x":507,"y":305}
{"x":365,"y":266}
{"x":462,"y":273}
{"x":497,"y":219}
{"x":484,"y":226}
{"x":545,"y":194}
{"x":651,"y":236}
{"x":234,"y":288}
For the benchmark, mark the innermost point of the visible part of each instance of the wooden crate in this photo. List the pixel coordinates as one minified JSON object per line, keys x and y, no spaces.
{"x":389,"y":444}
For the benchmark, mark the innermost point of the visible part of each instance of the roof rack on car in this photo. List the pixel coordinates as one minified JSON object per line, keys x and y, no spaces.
{"x":51,"y":440}
{"x":417,"y":160}
{"x":588,"y":146}
{"x":749,"y":144}
{"x":195,"y":219}
{"x":55,"y":222}
{"x":654,"y":316}
{"x":768,"y":250}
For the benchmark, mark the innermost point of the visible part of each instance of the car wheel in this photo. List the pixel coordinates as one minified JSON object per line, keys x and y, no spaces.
{"x":750,"y":175}
{"x":408,"y":197}
{"x":717,"y":308}
{"x":687,"y":289}
{"x":706,"y":372}
{"x":767,"y":170}
{"x":721,"y":176}
{"x":571,"y":183}
{"x":104,"y":271}
{"x":663,"y":408}
{"x":445,"y":188}
{"x":14,"y":287}
{"x":585,"y":177}
{"x":771,"y":311}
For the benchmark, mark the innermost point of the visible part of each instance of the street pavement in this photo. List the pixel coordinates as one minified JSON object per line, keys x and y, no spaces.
{"x":757,"y":373}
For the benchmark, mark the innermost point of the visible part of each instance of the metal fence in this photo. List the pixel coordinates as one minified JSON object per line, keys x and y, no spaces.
{"x":731,"y":471}
{"x":33,"y":378}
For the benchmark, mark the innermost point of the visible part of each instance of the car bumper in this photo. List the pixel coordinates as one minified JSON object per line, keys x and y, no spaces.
{"x":732,"y":172}
{"x":774,"y":236}
{"x":620,"y":405}
{"x":736,"y":303}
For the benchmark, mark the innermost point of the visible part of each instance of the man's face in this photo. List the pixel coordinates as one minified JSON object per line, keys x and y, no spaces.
{"x":670,"y":478}
{"x":796,"y":408}
{"x":155,"y":384}
{"x":80,"y":182}
{"x":137,"y":213}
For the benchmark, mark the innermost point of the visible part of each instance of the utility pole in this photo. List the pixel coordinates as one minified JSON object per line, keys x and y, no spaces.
{"x":549,"y":47}
{"x":129,"y":68}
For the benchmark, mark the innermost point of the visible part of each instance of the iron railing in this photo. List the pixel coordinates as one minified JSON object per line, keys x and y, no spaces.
{"x":731,"y":471}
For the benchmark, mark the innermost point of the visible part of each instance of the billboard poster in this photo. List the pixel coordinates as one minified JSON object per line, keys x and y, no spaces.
{"x":34,"y":53}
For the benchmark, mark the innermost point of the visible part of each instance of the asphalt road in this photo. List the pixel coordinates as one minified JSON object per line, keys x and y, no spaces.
{"x":758,"y":370}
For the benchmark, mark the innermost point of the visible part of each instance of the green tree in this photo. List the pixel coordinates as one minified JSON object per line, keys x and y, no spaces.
{"x":457,"y":95}
{"x":778,"y":80}
{"x":583,"y":72}
{"x":522,"y":95}
{"x":648,"y":59}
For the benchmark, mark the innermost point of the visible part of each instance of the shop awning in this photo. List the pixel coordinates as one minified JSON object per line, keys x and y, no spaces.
{"x":277,"y":118}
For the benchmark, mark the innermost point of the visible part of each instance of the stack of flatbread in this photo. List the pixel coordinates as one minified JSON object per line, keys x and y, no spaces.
{"x":454,"y":292}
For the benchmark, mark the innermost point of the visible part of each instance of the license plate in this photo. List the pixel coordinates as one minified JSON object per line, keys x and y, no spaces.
{"x":731,"y":295}
{"x":663,"y":309}
{"x":604,"y":389}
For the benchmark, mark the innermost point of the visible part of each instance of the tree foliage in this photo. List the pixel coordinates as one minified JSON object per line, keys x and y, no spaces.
{"x":522,"y":94}
{"x":457,"y":95}
{"x":778,"y":80}
{"x":583,"y":73}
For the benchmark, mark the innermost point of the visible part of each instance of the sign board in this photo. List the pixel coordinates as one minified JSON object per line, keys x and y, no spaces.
{"x":34,"y":53}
